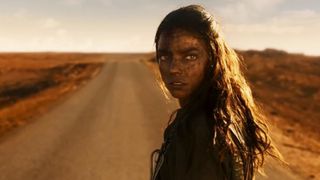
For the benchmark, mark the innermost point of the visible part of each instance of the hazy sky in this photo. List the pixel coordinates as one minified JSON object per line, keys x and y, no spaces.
{"x":129,"y":26}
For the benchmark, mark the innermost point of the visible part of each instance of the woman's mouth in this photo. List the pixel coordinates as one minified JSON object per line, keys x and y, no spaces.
{"x":177,"y":85}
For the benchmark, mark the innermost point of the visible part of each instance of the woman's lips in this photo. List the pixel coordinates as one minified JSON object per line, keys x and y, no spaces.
{"x":177,"y":84}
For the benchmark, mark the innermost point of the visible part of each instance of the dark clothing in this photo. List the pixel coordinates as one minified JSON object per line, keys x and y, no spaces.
{"x":191,"y":154}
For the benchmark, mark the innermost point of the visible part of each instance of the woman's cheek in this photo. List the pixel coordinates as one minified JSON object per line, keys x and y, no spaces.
{"x":163,"y":73}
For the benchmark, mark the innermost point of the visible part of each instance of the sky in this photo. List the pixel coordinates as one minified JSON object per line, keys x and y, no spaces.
{"x":130,"y":26}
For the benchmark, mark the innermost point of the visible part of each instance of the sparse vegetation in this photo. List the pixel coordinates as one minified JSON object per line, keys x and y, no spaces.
{"x":287,"y":85}
{"x":30,"y":83}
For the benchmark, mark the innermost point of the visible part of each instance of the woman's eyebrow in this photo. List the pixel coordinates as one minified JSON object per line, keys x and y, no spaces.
{"x":163,"y":51}
{"x":187,"y":50}
{"x":182,"y":51}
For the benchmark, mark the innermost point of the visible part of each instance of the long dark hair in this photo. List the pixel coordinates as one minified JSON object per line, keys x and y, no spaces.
{"x":239,"y":126}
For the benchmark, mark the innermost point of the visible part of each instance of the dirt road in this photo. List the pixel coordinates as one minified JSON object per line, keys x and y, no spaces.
{"x":106,"y":131}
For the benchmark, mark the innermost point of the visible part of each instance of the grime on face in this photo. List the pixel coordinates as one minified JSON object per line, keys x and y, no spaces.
{"x":182,"y":56}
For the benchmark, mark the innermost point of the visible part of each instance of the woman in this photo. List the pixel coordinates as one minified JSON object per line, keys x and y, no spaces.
{"x":218,"y":133}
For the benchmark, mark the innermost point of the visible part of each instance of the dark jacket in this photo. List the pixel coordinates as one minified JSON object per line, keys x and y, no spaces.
{"x":191,"y":154}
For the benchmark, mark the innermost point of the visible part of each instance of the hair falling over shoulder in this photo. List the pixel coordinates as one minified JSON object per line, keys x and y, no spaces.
{"x":238,"y":122}
{"x":238,"y":119}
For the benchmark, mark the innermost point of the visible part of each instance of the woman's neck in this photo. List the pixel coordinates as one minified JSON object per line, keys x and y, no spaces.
{"x":182,"y":102}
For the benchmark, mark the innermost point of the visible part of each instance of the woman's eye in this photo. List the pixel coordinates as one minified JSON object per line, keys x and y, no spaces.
{"x":191,"y":57}
{"x":163,"y":58}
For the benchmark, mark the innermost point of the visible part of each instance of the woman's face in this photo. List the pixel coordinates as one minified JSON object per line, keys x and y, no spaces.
{"x":182,"y":58}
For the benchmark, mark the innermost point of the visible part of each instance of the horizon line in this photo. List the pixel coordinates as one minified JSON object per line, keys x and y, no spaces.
{"x":144,"y":52}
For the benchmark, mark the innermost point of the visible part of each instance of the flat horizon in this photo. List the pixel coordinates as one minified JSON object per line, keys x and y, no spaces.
{"x":127,"y":26}
{"x":146,"y":52}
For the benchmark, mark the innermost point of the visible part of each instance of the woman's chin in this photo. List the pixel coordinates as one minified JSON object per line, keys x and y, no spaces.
{"x":178,"y":94}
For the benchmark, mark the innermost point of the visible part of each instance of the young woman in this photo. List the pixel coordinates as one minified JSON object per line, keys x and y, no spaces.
{"x":218,"y":133}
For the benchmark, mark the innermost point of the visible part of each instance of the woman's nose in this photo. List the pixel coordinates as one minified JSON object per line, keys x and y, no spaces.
{"x":175,"y":66}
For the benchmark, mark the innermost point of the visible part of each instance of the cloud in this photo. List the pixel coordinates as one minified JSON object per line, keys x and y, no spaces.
{"x":288,"y":22}
{"x":295,"y":31}
{"x":61,"y":32}
{"x":305,"y":16}
{"x":246,"y":10}
{"x":106,"y":2}
{"x":21,"y":13}
{"x":262,"y":4}
{"x":50,"y":23}
{"x":267,"y":28}
{"x":73,"y":2}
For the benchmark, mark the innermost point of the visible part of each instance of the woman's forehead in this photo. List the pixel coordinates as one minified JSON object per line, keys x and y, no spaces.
{"x":180,"y":39}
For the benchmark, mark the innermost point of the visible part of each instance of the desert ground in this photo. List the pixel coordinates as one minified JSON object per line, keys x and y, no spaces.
{"x":40,"y":92}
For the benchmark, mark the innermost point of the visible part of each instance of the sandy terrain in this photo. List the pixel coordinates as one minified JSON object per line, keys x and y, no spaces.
{"x":31,"y":83}
{"x":105,"y":130}
{"x":286,"y":85}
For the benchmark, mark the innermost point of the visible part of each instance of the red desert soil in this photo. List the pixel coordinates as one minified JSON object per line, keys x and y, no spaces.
{"x":30,"y":83}
{"x":287,"y":87}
